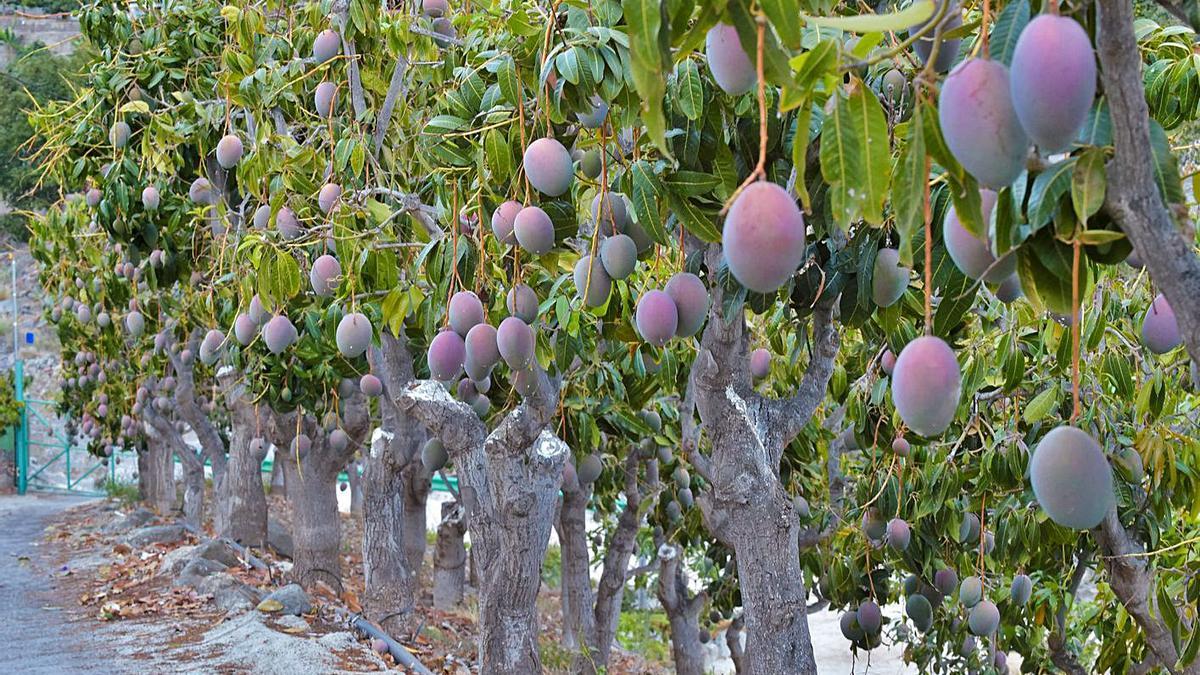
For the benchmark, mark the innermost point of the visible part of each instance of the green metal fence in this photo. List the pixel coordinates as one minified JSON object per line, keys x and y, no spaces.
{"x":36,"y":430}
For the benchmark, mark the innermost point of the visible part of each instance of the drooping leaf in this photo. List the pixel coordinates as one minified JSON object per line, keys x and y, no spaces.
{"x":908,"y":188}
{"x":854,"y":158}
{"x":649,"y":50}
{"x":646,"y":195}
{"x":1088,"y":184}
{"x":1006,"y":30}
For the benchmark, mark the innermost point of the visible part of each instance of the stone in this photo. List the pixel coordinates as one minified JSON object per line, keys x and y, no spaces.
{"x":229,"y":595}
{"x":293,"y":599}
{"x":218,"y":551}
{"x":155,"y":534}
{"x":196,"y":570}
{"x":279,"y":539}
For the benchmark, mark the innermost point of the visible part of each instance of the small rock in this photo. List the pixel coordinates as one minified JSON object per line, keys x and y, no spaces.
{"x":292,"y":624}
{"x":195,"y":571}
{"x":173,"y":561}
{"x":279,"y":539}
{"x":291,"y":598}
{"x":125,"y":522}
{"x":229,"y":595}
{"x":157,"y":534}
{"x":219,"y":551}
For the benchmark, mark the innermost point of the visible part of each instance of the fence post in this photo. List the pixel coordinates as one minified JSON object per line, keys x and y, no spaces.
{"x":21,"y":440}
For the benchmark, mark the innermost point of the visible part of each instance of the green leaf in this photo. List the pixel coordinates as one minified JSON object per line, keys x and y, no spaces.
{"x":916,"y":13}
{"x":1088,"y":184}
{"x":800,"y":143}
{"x":1050,"y":185}
{"x":1166,"y":170}
{"x":689,"y":92}
{"x":649,"y":49}
{"x":645,"y":195}
{"x":498,"y":154}
{"x":785,"y":17}
{"x":854,"y":158}
{"x":135,"y":107}
{"x":1093,"y":237}
{"x":1041,"y":405}
{"x":908,"y":188}
{"x":812,"y":66}
{"x":1006,"y":30}
{"x":506,"y":77}
{"x":695,"y":220}
{"x":691,"y":183}
{"x":775,"y":60}
{"x":567,"y":63}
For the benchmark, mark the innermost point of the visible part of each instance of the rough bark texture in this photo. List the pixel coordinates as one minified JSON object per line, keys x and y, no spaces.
{"x":156,"y":477}
{"x":162,"y":430}
{"x":241,"y":503}
{"x":190,"y":411}
{"x":278,"y":484}
{"x":450,"y":558}
{"x":509,"y":482}
{"x":312,"y":490}
{"x":733,"y":640}
{"x":1132,"y":582}
{"x":354,"y":481}
{"x":393,"y":498}
{"x":579,"y":626}
{"x":746,"y":507}
{"x":683,"y":612}
{"x":1132,"y":197}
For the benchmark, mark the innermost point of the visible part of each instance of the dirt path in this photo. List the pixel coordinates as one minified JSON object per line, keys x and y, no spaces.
{"x":37,"y":635}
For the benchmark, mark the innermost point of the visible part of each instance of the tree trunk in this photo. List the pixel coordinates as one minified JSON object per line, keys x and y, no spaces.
{"x":193,"y":487}
{"x":391,"y":471}
{"x":745,"y":506}
{"x":526,"y":489}
{"x":449,"y":558}
{"x":241,"y":504}
{"x":354,"y":479}
{"x":579,"y":627}
{"x":416,"y":488}
{"x":610,"y":592}
{"x":156,"y":476}
{"x":509,"y":481}
{"x":316,"y":525}
{"x":683,"y":612}
{"x":278,"y":484}
{"x":311,"y":477}
{"x":733,"y":640}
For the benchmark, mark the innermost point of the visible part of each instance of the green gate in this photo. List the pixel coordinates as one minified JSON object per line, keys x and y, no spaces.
{"x":36,"y":430}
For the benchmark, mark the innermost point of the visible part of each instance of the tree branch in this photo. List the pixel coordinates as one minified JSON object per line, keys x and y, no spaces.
{"x":1132,"y":197}
{"x":787,"y":416}
{"x":396,"y":88}
{"x":189,"y":409}
{"x":1131,"y":581}
{"x":452,"y":421}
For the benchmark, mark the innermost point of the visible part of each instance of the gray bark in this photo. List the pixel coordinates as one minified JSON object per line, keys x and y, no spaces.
{"x":393,"y":499}
{"x":156,"y":477}
{"x":1132,"y":581}
{"x":312,"y":490}
{"x":278,"y":484}
{"x":354,"y":484}
{"x":579,"y":624}
{"x":509,"y":482}
{"x":162,"y":430}
{"x":241,"y":503}
{"x":745,"y":506}
{"x":189,"y":409}
{"x":1132,"y":197}
{"x":449,"y":558}
{"x":683,"y":612}
{"x":733,"y":640}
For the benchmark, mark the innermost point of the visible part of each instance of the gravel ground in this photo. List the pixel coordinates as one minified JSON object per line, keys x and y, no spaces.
{"x":38,"y":636}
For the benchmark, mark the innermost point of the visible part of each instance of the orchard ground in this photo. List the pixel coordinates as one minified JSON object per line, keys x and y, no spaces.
{"x":56,"y":550}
